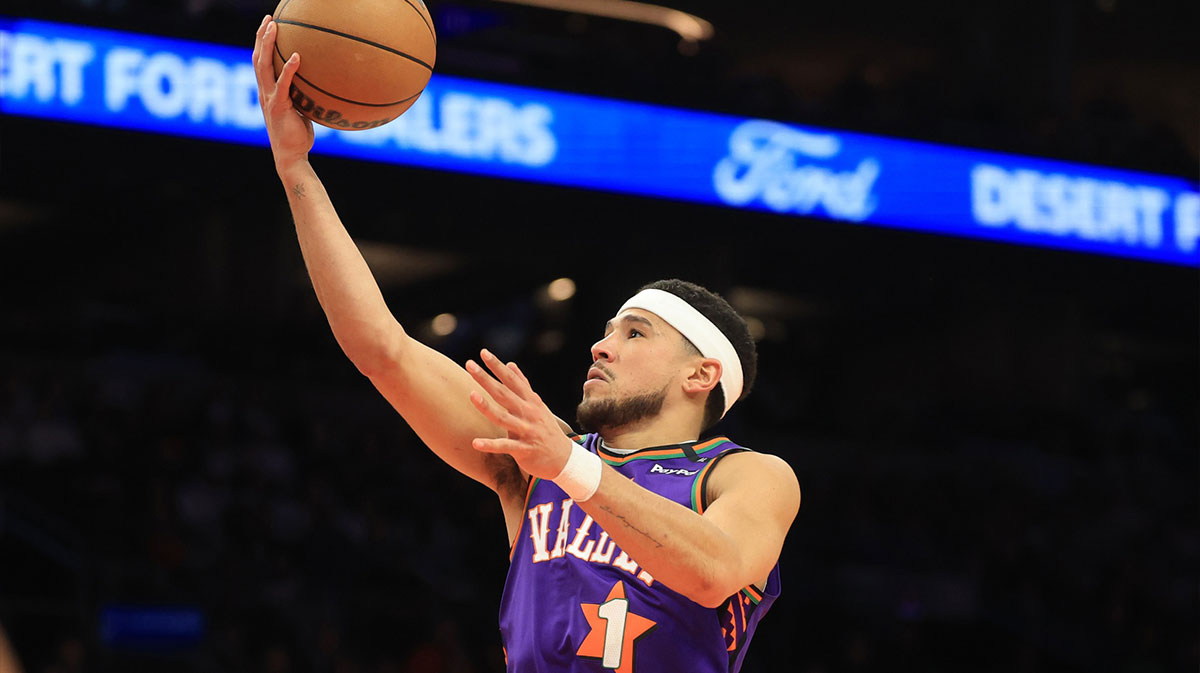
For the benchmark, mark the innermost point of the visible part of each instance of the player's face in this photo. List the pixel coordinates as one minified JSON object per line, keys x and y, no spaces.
{"x":632,"y":372}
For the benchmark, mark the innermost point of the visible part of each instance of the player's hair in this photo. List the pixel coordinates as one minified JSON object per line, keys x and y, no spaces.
{"x":718,"y":311}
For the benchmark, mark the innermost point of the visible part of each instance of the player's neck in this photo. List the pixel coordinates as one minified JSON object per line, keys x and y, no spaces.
{"x":657,"y":431}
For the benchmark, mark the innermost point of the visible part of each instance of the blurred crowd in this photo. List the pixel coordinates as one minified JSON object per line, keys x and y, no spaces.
{"x":313,"y":531}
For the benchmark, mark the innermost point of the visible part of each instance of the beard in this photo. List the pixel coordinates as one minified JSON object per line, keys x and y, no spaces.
{"x":609,"y":414}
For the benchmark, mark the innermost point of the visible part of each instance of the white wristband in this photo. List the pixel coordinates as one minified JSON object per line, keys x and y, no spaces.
{"x":580,"y":477}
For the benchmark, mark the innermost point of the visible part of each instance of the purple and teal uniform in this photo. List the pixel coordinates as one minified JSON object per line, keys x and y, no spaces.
{"x":574,"y":602}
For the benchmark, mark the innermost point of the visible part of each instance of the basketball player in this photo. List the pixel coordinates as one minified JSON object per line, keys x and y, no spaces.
{"x":635,"y":548}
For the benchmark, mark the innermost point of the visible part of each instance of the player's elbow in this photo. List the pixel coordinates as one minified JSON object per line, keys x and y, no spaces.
{"x":374,"y":351}
{"x":713,"y":595}
{"x":714,"y":584}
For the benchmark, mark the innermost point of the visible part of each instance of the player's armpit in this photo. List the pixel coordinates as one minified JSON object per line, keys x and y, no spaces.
{"x":432,"y":393}
{"x":753,"y":498}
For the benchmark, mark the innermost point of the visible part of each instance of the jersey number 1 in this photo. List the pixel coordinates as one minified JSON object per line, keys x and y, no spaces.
{"x":613,"y":613}
{"x":612,"y":631}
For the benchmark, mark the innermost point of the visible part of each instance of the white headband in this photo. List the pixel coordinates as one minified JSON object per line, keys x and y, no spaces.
{"x":704,"y":335}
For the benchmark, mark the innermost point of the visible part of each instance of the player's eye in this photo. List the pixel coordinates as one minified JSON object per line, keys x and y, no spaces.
{"x":634,"y":332}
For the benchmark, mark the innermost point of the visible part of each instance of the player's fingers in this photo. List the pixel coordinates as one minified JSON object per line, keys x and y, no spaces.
{"x":520,"y":375}
{"x":255,"y":59}
{"x":511,"y":398}
{"x":497,"y":414}
{"x":527,"y":392}
{"x":500,"y":445}
{"x":262,"y":60}
{"x":258,"y":39}
{"x":496,"y":389}
{"x":515,"y":383}
{"x":284,"y":83}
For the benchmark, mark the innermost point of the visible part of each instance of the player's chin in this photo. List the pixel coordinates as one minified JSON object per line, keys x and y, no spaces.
{"x":593,"y":387}
{"x":593,"y":395}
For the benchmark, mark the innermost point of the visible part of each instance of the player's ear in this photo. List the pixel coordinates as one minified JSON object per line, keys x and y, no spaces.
{"x":703,"y":374}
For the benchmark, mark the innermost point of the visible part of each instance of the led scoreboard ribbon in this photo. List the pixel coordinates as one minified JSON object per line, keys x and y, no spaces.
{"x":177,"y":87}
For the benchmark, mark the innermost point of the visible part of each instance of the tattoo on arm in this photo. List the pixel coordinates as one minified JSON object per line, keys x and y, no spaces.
{"x":298,"y":190}
{"x":625,"y":522}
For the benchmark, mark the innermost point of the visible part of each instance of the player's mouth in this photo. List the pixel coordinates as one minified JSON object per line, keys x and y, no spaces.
{"x":597,"y":373}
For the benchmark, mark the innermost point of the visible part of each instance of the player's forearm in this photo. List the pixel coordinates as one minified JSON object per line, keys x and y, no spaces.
{"x":345,"y":288}
{"x":671,"y":542}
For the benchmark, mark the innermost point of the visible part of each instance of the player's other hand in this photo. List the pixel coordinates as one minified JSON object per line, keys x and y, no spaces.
{"x":291,"y":134}
{"x":535,"y":438}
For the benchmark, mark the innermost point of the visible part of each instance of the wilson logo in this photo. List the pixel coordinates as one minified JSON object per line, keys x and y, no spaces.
{"x":331,"y":118}
{"x":659,"y":469}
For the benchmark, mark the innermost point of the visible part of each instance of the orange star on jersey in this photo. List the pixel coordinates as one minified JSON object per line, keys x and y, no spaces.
{"x":614,"y":629}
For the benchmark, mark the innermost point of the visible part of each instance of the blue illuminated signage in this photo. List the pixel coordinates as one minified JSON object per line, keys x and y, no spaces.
{"x":208,"y":91}
{"x":151,"y":628}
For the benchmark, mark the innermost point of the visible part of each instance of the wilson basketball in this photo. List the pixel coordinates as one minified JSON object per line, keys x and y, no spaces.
{"x":362,"y":62}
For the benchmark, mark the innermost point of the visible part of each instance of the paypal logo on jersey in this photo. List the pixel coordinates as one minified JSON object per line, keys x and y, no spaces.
{"x":778,"y":166}
{"x":659,"y":469}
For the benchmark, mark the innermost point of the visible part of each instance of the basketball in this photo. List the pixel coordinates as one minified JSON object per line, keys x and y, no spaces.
{"x":362,"y":62}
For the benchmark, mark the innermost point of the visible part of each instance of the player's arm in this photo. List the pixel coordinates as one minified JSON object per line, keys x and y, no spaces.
{"x":428,"y":389}
{"x":753,"y":498}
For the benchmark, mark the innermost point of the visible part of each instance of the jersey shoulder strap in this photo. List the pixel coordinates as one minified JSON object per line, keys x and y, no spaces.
{"x":722,"y":447}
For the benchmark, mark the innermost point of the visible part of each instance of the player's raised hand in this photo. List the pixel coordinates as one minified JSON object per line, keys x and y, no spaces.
{"x":535,"y":437}
{"x":291,"y":134}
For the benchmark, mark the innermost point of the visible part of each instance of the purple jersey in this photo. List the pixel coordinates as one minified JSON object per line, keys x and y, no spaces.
{"x":575,"y":603}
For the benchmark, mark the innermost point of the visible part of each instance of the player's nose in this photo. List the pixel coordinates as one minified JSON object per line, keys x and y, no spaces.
{"x":601,"y":350}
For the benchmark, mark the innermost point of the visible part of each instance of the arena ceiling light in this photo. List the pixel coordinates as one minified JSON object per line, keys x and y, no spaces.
{"x":689,"y":27}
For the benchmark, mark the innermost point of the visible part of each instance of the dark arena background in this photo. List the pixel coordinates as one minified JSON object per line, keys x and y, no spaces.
{"x":996,"y":441}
